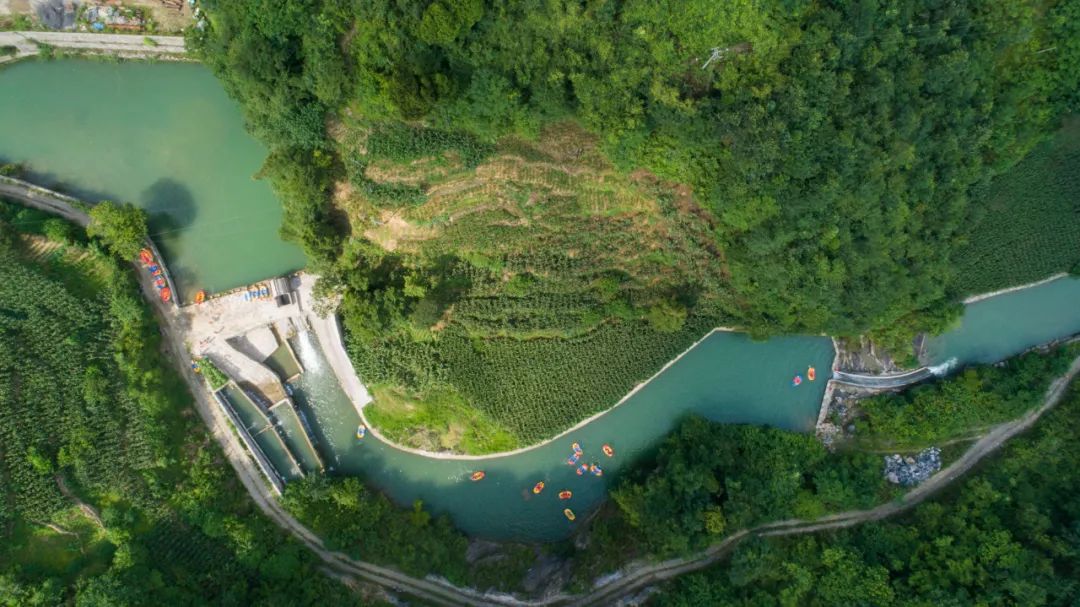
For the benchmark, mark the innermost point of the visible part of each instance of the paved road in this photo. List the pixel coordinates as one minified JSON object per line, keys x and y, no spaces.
{"x":632,"y":580}
{"x":45,"y":200}
{"x":122,"y":44}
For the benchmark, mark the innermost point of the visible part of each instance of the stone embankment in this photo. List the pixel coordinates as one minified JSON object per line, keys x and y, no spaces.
{"x":123,"y":45}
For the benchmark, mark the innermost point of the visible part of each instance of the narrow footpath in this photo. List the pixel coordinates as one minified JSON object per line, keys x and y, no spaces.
{"x":632,"y":579}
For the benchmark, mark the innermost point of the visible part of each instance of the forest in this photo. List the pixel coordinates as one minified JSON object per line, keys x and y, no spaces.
{"x":111,"y":491}
{"x":500,"y":181}
{"x":1005,"y":536}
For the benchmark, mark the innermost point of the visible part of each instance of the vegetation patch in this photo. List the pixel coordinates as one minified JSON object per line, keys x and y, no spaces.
{"x":492,"y":292}
{"x":111,"y":491}
{"x":1028,"y":222}
{"x":436,"y":421}
{"x":974,"y":400}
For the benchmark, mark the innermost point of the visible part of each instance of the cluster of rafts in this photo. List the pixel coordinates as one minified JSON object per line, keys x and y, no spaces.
{"x":156,"y":271}
{"x":573,"y":460}
{"x":565,"y":494}
{"x":158,"y":274}
{"x":575,"y":457}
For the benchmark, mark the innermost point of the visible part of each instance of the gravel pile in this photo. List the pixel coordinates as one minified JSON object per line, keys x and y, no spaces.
{"x":908,"y":471}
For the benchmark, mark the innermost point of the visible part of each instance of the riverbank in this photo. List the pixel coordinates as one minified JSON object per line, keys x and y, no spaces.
{"x":982,"y":296}
{"x":346,"y":374}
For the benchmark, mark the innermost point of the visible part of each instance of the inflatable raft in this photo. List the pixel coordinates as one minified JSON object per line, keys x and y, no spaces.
{"x":538,"y":487}
{"x":361,"y":431}
{"x":811,"y":373}
{"x":565,"y":494}
{"x":476,"y":476}
{"x":569,"y":514}
{"x":608,"y":451}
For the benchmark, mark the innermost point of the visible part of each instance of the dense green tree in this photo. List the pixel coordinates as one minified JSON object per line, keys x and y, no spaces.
{"x":122,"y":227}
{"x":1007,"y":536}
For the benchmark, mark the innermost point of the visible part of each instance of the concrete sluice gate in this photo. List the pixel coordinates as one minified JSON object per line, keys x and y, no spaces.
{"x":260,"y":362}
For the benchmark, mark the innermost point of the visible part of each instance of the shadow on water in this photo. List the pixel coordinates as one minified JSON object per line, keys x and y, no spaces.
{"x":171,"y":209}
{"x":54,"y":182}
{"x":170,"y":205}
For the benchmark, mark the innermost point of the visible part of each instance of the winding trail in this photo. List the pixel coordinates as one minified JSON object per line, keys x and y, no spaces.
{"x":631,"y":579}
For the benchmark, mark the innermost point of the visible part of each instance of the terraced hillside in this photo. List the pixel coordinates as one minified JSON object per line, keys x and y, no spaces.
{"x":535,"y":284}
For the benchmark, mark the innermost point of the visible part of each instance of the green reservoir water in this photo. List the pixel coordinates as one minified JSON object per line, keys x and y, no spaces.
{"x":293,"y":432}
{"x":996,"y":328}
{"x":162,"y":136}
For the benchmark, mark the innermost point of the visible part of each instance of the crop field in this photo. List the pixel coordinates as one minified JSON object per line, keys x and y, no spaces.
{"x":534,"y":388}
{"x":1030,"y":224}
{"x":49,"y":339}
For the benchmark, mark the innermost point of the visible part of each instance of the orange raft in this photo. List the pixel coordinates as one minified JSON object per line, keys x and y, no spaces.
{"x":811,"y":373}
{"x":200,"y":297}
{"x":538,"y":487}
{"x":608,"y":451}
{"x":565,"y":495}
{"x":166,"y":294}
{"x":478,"y":475}
{"x":569,"y":514}
{"x":146,"y":256}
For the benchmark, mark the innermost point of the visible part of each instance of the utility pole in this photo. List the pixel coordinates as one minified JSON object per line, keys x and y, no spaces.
{"x":717,"y":54}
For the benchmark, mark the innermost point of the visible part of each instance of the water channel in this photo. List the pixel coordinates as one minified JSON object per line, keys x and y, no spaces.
{"x":166,"y":137}
{"x":162,"y":136}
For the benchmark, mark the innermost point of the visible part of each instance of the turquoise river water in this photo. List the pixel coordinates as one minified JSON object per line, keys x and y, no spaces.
{"x":165,"y":136}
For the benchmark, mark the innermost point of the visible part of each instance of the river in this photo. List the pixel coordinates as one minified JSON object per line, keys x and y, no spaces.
{"x":162,"y":136}
{"x":994,"y":329}
{"x":727,"y":378}
{"x":165,"y":136}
